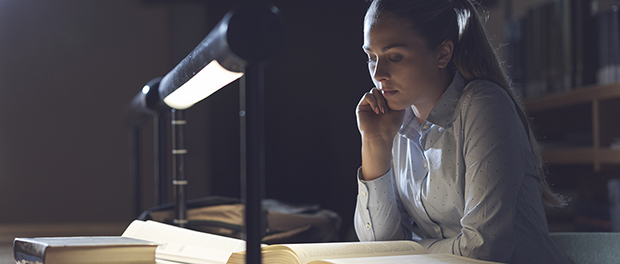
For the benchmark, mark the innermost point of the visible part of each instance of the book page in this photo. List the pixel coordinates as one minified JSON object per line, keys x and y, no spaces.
{"x":406,"y":259}
{"x":180,"y":244}
{"x":315,"y":251}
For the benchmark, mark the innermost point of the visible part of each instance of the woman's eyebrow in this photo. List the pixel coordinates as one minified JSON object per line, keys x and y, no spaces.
{"x":386,"y":48}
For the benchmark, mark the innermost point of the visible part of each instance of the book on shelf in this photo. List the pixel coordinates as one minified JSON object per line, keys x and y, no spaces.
{"x":585,"y":46}
{"x":555,"y":46}
{"x":179,"y":245}
{"x":83,"y":250}
{"x":608,"y":18}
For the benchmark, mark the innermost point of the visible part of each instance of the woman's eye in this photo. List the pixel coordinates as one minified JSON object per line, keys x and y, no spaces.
{"x":371,"y":60}
{"x":396,"y":58}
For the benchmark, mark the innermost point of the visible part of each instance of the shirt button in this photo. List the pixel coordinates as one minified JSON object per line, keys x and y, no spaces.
{"x":426,"y":126}
{"x":425,"y":165}
{"x":437,"y":229}
{"x":419,"y":199}
{"x":364,"y":193}
{"x":367,"y":226}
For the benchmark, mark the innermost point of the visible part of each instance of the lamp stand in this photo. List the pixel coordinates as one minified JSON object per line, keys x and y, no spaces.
{"x":178,"y":166}
{"x":252,"y":142}
{"x":161,"y":157}
{"x":136,"y":168}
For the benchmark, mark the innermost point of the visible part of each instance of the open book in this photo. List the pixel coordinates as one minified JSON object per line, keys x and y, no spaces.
{"x":179,"y":245}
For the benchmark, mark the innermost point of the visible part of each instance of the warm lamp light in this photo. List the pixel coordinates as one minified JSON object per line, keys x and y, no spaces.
{"x":247,"y":35}
{"x":206,"y":82}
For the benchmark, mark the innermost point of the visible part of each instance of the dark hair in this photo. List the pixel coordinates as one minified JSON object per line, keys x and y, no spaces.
{"x":437,"y":21}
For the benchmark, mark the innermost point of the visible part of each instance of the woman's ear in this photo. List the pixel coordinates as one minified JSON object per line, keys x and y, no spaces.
{"x":444,"y":53}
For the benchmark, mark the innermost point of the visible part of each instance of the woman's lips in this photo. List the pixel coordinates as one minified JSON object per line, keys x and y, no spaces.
{"x":388,"y":93}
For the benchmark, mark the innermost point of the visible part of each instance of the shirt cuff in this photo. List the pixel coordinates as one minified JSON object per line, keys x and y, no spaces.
{"x":377,"y":190}
{"x":377,"y":216}
{"x":427,"y":243}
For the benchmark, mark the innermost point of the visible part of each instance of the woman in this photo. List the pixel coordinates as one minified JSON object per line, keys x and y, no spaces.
{"x":445,"y":143}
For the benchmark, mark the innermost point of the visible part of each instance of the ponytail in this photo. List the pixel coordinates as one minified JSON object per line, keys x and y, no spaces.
{"x":475,"y":58}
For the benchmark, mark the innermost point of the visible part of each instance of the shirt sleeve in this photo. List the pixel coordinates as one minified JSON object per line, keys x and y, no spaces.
{"x":379,"y":214}
{"x":495,"y":153}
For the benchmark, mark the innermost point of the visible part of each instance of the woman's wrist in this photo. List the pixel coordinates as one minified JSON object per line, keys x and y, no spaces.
{"x":376,"y":157}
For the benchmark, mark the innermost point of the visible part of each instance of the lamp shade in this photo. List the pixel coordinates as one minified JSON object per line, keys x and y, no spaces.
{"x":249,"y":34}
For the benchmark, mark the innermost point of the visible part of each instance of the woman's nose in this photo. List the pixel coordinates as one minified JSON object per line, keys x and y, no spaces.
{"x":380,"y":72}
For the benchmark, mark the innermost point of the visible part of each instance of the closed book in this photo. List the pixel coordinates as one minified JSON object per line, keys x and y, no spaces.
{"x":83,"y":250}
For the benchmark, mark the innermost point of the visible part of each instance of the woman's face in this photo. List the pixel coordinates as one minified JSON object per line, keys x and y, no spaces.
{"x":400,"y":63}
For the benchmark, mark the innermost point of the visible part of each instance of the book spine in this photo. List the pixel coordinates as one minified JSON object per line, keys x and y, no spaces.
{"x":567,"y":51}
{"x":577,"y":40}
{"x":603,"y":24}
{"x":533,"y":53}
{"x":28,"y":252}
{"x":615,"y":45}
{"x":586,"y":43}
{"x":513,"y":31}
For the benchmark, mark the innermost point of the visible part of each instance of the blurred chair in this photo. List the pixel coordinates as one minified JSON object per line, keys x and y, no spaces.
{"x":589,"y":247}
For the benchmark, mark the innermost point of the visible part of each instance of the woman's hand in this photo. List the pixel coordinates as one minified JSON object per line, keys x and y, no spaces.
{"x":375,"y":120}
{"x":378,"y":124}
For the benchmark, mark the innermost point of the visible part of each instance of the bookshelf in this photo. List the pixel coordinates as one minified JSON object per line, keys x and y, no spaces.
{"x":577,"y":129}
{"x":566,"y":56}
{"x":598,"y":103}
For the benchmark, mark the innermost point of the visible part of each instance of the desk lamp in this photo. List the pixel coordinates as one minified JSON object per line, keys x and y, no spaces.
{"x":237,"y":46}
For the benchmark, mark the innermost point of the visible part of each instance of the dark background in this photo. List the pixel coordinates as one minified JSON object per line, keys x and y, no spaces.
{"x":69,"y":69}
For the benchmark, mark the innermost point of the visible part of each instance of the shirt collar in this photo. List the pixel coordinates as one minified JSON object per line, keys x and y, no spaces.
{"x":410,"y":122}
{"x":443,"y":112}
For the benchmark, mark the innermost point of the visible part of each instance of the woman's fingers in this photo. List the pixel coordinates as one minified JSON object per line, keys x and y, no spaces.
{"x":376,"y":101}
{"x":374,"y":119}
{"x":381,"y":103}
{"x":368,"y":102}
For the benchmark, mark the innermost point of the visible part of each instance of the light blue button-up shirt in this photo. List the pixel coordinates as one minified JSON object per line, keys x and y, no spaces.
{"x":466,"y":177}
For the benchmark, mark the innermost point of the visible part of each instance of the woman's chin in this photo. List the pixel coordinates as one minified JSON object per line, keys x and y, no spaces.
{"x":396,"y":106}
